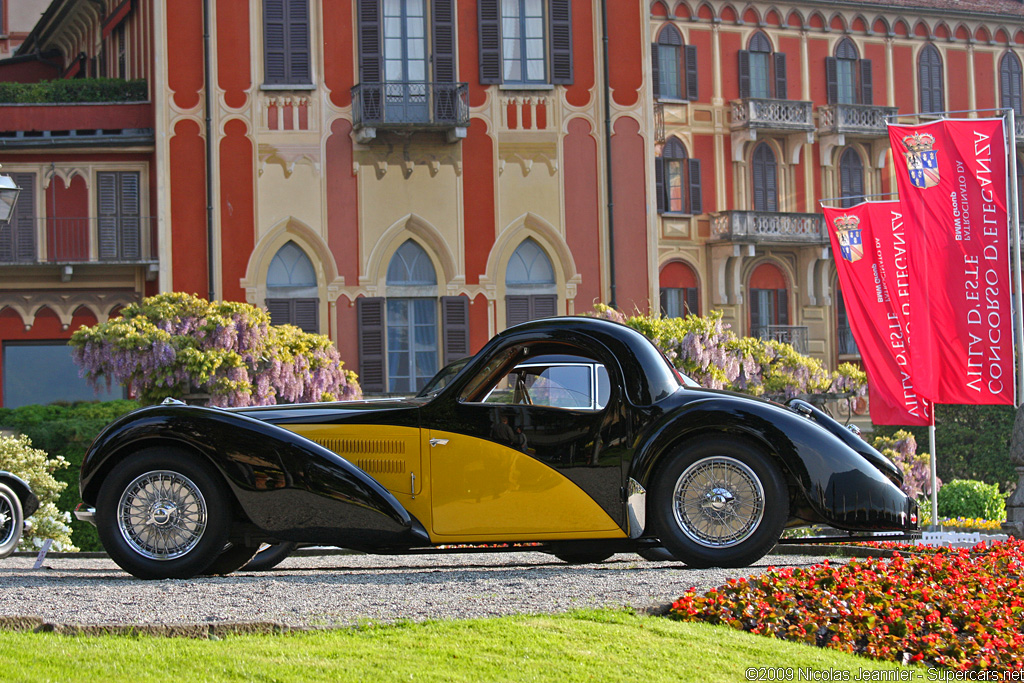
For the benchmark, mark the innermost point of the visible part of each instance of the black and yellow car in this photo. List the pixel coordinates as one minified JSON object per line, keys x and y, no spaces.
{"x":572,"y":433}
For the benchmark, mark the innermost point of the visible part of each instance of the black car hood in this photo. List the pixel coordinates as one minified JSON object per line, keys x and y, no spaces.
{"x":303,"y":413}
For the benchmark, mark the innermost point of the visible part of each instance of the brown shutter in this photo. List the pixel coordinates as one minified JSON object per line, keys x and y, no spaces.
{"x":455,"y":321}
{"x":659,"y":181}
{"x":783,"y":306}
{"x":129,"y":228}
{"x":544,"y":305}
{"x":755,"y":312}
{"x":655,"y":70}
{"x":832,"y":79}
{"x":1005,"y":80}
{"x":280,"y":311}
{"x":369,"y":43}
{"x":444,"y":41}
{"x":663,"y":300}
{"x":690,"y":52}
{"x":560,"y":29}
{"x":517,"y":310}
{"x":274,"y":42}
{"x":692,"y":301}
{"x":298,"y":42}
{"x":489,"y":26}
{"x":306,"y":315}
{"x":107,"y":221}
{"x":693,"y":177}
{"x":744,"y":64}
{"x":370,"y":318}
{"x":781,"y":89}
{"x":866,"y":95}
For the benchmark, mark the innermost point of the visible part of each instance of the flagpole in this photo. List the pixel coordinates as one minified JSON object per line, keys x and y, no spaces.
{"x":1018,"y":296}
{"x":934,"y":478}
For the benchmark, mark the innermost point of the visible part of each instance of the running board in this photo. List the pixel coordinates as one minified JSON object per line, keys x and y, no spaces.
{"x":811,"y":540}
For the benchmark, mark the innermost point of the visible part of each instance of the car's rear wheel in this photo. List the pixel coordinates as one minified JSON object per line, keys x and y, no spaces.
{"x":233,"y":558}
{"x":270,"y":556}
{"x":719,"y":503}
{"x":12,"y":520}
{"x":163,"y":514}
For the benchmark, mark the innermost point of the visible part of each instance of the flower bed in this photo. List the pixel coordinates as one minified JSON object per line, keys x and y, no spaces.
{"x":956,"y":608}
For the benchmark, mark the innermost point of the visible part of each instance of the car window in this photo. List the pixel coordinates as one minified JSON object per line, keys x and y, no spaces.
{"x":570,"y":385}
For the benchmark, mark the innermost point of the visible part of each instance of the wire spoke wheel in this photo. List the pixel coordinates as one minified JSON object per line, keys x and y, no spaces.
{"x":718,"y":502}
{"x":8,"y":528}
{"x":162,"y":515}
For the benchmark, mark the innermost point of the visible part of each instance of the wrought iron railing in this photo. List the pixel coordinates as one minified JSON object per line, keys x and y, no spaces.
{"x":97,"y":239}
{"x":855,"y":119}
{"x":794,"y":335}
{"x":792,"y":115}
{"x":659,"y":122}
{"x":769,"y":226}
{"x":410,"y":105}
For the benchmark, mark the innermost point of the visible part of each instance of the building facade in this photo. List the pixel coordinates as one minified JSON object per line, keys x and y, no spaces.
{"x":412,"y":176}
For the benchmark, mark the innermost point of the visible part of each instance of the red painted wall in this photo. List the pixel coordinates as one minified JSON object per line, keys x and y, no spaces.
{"x":188,"y":209}
{"x":701,"y":39}
{"x":818,"y":50}
{"x":582,"y":212}
{"x":629,"y":194}
{"x":957,"y":73}
{"x":879,"y":74}
{"x":578,"y":94}
{"x":36,"y":117}
{"x":185,"y":57}
{"x":67,"y":235}
{"x":729,"y":44}
{"x":478,"y":202}
{"x":904,"y":68}
{"x":233,"y":53}
{"x":237,"y":210}
{"x":342,"y":202}
{"x":469,"y":68}
{"x":704,"y":149}
{"x":625,"y":41}
{"x":339,"y":63}
{"x":347,"y":335}
{"x":28,"y":72}
{"x":986,"y":83}
{"x":478,"y":323}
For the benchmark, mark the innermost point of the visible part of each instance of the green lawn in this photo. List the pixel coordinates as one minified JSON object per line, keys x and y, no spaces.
{"x":581,"y":646}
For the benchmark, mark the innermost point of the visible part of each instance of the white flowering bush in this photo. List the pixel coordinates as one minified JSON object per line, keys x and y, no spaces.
{"x":175,"y":344}
{"x":17,"y":456}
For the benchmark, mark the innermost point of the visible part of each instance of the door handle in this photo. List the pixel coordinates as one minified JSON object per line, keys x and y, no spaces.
{"x":438,"y":442}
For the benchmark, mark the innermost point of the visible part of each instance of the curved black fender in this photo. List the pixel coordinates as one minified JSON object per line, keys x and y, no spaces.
{"x":839,"y":484}
{"x":288,"y":486}
{"x":22,"y":489}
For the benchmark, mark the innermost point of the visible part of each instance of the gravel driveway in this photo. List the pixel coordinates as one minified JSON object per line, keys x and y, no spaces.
{"x":334,"y":590}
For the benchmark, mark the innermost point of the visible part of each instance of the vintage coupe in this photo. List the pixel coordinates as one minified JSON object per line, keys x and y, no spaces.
{"x":573,"y":433}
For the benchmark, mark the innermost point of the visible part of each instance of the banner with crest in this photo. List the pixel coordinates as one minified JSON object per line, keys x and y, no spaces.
{"x":867,"y":244}
{"x":952,"y":182}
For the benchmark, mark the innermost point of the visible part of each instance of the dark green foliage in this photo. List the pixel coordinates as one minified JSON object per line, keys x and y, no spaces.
{"x":66,"y":429}
{"x":971,"y":499}
{"x":74,"y":90}
{"x":972,"y":442}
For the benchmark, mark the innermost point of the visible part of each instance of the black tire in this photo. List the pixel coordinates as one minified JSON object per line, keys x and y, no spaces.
{"x":584,"y":556}
{"x":271,"y":556}
{"x":233,"y":558}
{"x":12,"y":520}
{"x":657,"y":554}
{"x":737,"y":503}
{"x":176,"y":514}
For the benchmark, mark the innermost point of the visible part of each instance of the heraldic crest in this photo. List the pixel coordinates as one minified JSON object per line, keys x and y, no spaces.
{"x":851,"y":245}
{"x":922,"y":160}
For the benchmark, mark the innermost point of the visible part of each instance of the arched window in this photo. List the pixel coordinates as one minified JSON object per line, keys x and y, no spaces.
{"x":848,"y":76}
{"x":929,"y":75}
{"x":677,"y":180}
{"x":411,"y":319}
{"x":1010,"y":83}
{"x":674,"y":66}
{"x":680,"y":292}
{"x":851,"y":177}
{"x":762,"y":71}
{"x":764,"y":178}
{"x":292,"y":289}
{"x":769,"y":301}
{"x":530,"y":286}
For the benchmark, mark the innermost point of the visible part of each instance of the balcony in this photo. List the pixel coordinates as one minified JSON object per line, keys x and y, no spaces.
{"x":410,"y":107}
{"x":782,"y":116}
{"x":768,"y":227}
{"x":71,"y":241}
{"x":864,"y":120}
{"x":794,"y":335}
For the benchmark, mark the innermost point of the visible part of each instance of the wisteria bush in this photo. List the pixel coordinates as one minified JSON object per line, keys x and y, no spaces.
{"x":704,"y":348}
{"x":901,"y":448}
{"x":18,"y":457}
{"x":175,"y":344}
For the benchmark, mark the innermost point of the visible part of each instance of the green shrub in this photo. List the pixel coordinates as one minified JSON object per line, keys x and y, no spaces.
{"x":66,"y":430}
{"x":972,"y":499}
{"x":17,"y":456}
{"x":74,"y":90}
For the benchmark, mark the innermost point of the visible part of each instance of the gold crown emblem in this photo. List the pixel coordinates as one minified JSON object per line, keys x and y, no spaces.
{"x":846,"y":222}
{"x":919,"y":142}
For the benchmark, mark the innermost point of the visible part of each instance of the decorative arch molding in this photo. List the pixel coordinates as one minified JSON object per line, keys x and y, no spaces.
{"x":64,"y":305}
{"x":795,"y":19}
{"x":523,"y":227}
{"x":860,"y":24}
{"x":291,"y":230}
{"x":426,"y":235}
{"x":67,"y":174}
{"x":785,"y":267}
{"x":837,"y":22}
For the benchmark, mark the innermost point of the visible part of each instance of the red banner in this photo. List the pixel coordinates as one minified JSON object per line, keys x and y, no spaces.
{"x":951,"y":176}
{"x":867,"y":244}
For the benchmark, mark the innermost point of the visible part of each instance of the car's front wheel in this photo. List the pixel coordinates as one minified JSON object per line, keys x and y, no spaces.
{"x":11,"y":520}
{"x":163,"y":514}
{"x":719,"y":503}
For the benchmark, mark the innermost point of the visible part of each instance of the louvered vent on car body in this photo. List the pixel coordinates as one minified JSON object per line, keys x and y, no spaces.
{"x":362,"y":452}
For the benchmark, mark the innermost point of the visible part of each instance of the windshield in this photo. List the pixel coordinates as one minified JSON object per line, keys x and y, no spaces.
{"x":443,"y":376}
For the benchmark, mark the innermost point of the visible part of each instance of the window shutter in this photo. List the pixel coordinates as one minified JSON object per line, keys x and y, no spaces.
{"x":832,"y":79}
{"x":543,"y":305}
{"x":129,"y":216}
{"x":369,"y":44}
{"x":274,"y":42}
{"x":690,"y":52}
{"x":1005,"y":75}
{"x":489,"y":23}
{"x":298,"y":42}
{"x":517,"y":310}
{"x":663,"y":299}
{"x":107,"y":220}
{"x":744,"y":62}
{"x":1015,"y":93}
{"x":444,"y":41}
{"x":455,"y":319}
{"x":693,"y":177}
{"x":783,"y":307}
{"x":560,"y":25}
{"x":307,"y":315}
{"x":370,"y":317}
{"x":781,"y":89}
{"x":866,"y":95}
{"x":659,"y":182}
{"x":23,"y":223}
{"x":755,"y":311}
{"x":656,"y":70}
{"x":692,"y":302}
{"x":771,"y":189}
{"x":280,"y":311}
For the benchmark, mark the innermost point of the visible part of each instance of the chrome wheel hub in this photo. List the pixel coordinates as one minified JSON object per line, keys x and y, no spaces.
{"x":7,"y":529}
{"x":162,"y":515}
{"x":718,"y":502}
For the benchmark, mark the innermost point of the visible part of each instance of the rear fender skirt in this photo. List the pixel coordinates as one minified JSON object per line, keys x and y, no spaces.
{"x":839,"y":484}
{"x":21,"y":488}
{"x":288,"y":486}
